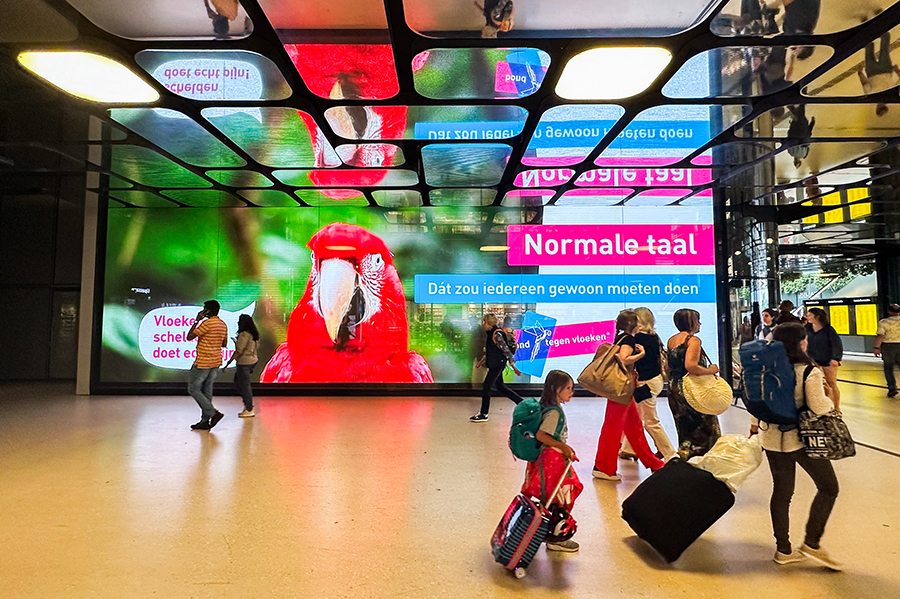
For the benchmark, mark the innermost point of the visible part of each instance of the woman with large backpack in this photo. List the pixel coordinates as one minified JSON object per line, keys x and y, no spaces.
{"x":785,"y":450}
{"x":697,"y":432}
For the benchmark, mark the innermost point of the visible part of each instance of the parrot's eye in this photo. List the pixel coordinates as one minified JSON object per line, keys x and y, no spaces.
{"x":376,"y":261}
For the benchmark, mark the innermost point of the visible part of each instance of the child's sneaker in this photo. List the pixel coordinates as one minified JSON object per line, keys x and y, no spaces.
{"x":569,"y":546}
{"x":821,"y":556}
{"x":788,"y":558}
{"x":246,"y":414}
{"x":479,"y":418}
{"x":604,"y":476}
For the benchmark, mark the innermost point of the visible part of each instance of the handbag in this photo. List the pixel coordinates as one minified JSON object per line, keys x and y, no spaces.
{"x":824,"y":437}
{"x":607,"y":376}
{"x":707,"y":393}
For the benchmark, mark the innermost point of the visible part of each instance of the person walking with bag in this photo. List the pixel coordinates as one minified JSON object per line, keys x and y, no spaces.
{"x":621,"y":412}
{"x":246,"y":345}
{"x":496,"y":355}
{"x":826,"y":350}
{"x":785,"y":450}
{"x":697,"y":432}
{"x":887,"y":345}
{"x":649,"y":385}
{"x":553,"y":461}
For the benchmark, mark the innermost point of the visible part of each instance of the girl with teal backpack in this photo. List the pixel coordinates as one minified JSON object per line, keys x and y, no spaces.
{"x":554,"y":456}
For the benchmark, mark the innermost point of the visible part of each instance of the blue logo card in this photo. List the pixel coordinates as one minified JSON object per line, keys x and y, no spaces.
{"x":534,"y":343}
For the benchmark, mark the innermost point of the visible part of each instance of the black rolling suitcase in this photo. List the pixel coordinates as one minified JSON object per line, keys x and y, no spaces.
{"x":521,"y":531}
{"x":675,"y":505}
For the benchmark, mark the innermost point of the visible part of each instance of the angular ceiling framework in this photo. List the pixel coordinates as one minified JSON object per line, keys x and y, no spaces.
{"x":417,"y":103}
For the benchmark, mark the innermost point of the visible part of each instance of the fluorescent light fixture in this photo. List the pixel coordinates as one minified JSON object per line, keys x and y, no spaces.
{"x":90,"y":77}
{"x":611,"y":73}
{"x":494,"y":248}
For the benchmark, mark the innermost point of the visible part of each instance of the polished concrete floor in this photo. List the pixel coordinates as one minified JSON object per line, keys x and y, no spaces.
{"x":379,"y":497}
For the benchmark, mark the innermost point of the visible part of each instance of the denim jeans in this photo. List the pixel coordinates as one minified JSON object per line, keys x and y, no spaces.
{"x":495,"y":377}
{"x":200,"y":386}
{"x":242,"y":384}
{"x":784,"y":467}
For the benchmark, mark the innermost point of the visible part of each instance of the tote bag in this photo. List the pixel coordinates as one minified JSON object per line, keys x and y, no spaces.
{"x":607,"y":376}
{"x":707,"y":393}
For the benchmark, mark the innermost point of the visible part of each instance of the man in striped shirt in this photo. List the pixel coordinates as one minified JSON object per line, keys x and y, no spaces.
{"x":212,"y":336}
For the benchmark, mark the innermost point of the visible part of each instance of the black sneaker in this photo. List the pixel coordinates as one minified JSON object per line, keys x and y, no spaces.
{"x":892,"y":393}
{"x":215,"y":419}
{"x":479,"y":418}
{"x":203,"y":425}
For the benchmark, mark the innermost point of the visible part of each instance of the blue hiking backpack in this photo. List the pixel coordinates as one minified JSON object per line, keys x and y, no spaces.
{"x":768,"y":379}
{"x":525,"y":424}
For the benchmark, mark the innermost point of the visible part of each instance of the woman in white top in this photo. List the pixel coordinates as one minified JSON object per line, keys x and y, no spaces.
{"x":246,"y":345}
{"x":784,"y":451}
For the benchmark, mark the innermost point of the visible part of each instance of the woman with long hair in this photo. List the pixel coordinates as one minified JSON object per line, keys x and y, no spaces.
{"x":784,"y":451}
{"x":826,"y":349}
{"x":246,"y":345}
{"x":649,"y":373}
{"x":623,"y":418}
{"x":697,"y":432}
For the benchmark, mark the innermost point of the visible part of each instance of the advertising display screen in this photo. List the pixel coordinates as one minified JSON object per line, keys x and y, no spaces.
{"x":379,"y":295}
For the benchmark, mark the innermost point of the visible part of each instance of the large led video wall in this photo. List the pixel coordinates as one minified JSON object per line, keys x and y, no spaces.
{"x":377,"y":295}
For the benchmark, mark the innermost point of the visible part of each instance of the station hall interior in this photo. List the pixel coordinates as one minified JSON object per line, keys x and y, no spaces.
{"x":367,"y":180}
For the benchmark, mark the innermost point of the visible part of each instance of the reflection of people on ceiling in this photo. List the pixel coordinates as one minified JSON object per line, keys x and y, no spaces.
{"x":757,"y":18}
{"x":799,"y":132}
{"x":499,"y":16}
{"x":801,"y":16}
{"x":878,"y":72}
{"x":222,"y":13}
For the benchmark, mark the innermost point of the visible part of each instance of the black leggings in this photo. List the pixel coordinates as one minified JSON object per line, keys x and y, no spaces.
{"x":495,"y":376}
{"x":784,"y":466}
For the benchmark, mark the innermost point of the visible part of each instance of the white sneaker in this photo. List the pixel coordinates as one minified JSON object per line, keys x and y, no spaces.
{"x":604,"y":476}
{"x":788,"y":558}
{"x":246,"y":414}
{"x":569,"y":546}
{"x":821,"y":556}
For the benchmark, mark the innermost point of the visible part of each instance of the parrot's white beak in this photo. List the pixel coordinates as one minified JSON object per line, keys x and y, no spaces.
{"x":337,"y":284}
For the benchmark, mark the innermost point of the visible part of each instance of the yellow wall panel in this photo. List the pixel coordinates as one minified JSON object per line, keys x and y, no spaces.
{"x":840,"y":319}
{"x":866,"y":319}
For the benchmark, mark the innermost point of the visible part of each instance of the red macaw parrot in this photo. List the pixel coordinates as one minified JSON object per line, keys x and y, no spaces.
{"x":350,"y":325}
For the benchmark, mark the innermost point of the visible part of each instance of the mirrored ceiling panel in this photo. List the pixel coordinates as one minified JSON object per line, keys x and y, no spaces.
{"x":593,"y":197}
{"x":462,"y":197}
{"x":869,"y":71}
{"x":269,"y":197}
{"x":666,"y":134}
{"x":735,"y":153}
{"x":168,"y":19}
{"x":805,"y":121}
{"x":479,"y":73}
{"x":543,"y":18}
{"x":275,"y":136}
{"x":800,"y":161}
{"x":177,"y":134}
{"x":644,"y":177}
{"x":34,"y":21}
{"x":464,"y":165}
{"x":566,"y":134}
{"x":458,"y":123}
{"x":204,"y":198}
{"x":240,"y":178}
{"x":142,"y":199}
{"x":525,"y":198}
{"x":658,"y":197}
{"x":544,"y":177}
{"x":397,"y":198}
{"x":371,"y":155}
{"x":349,"y":198}
{"x":745,"y":71}
{"x":211,"y":75}
{"x":150,"y":168}
{"x":794,"y":17}
{"x":346,"y":71}
{"x":347,"y":177}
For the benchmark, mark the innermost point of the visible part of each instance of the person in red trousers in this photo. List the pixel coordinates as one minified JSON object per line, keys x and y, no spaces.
{"x":623,"y":418}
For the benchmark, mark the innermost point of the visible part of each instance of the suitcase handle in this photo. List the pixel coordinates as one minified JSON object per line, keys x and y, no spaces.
{"x":559,"y":484}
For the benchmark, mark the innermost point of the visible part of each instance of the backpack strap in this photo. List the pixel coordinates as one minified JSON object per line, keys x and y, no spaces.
{"x":806,"y":373}
{"x":560,"y":423}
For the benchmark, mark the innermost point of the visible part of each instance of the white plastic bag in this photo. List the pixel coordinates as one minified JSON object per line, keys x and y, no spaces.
{"x":732,"y":459}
